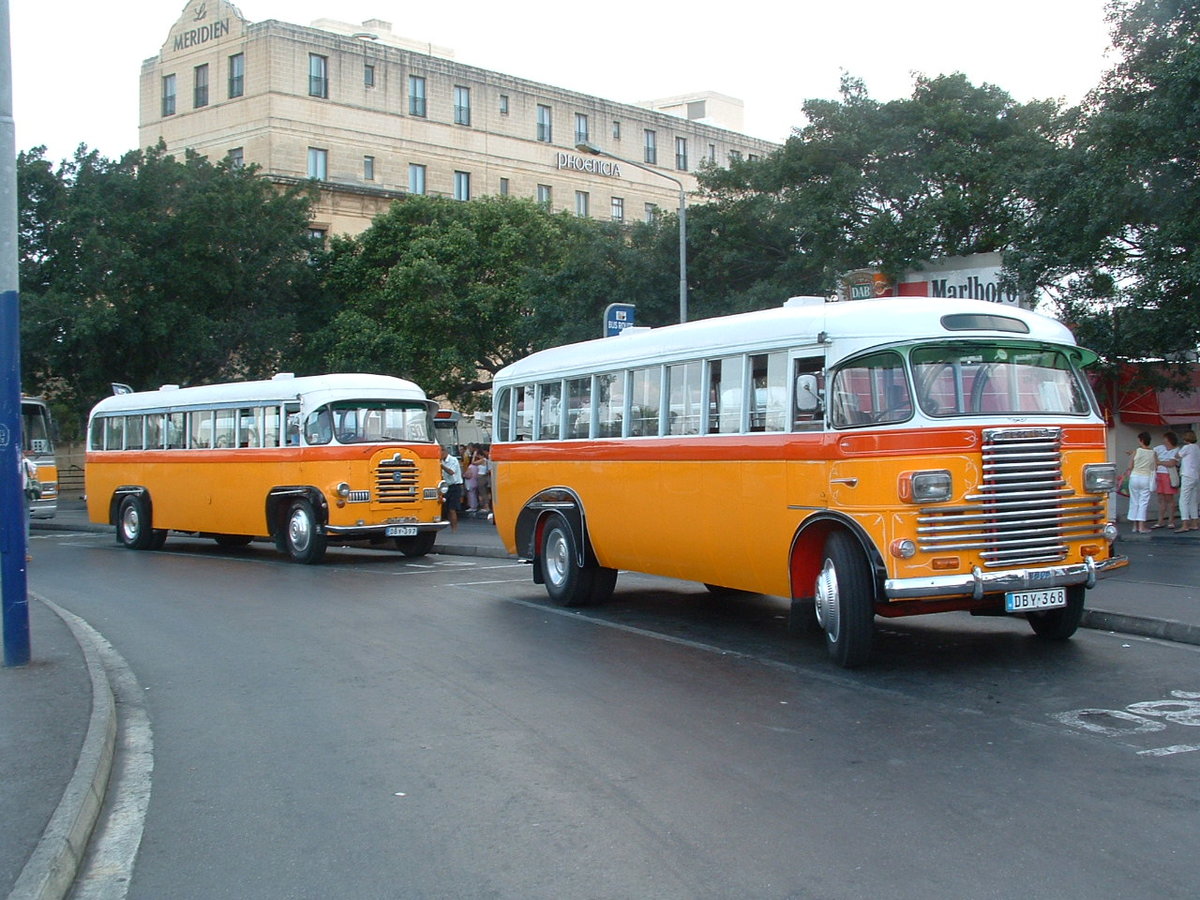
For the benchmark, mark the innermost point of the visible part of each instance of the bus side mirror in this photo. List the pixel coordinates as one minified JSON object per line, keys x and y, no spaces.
{"x":808,"y":395}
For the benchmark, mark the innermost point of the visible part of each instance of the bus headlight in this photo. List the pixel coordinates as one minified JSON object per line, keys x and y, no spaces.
{"x":343,"y":490}
{"x":1100,"y":478}
{"x":933,"y":486}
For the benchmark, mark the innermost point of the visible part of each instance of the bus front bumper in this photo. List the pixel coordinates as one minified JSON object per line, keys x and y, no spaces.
{"x":979,"y":584}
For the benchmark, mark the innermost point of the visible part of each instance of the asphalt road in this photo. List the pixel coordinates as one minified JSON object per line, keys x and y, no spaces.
{"x":386,"y":727}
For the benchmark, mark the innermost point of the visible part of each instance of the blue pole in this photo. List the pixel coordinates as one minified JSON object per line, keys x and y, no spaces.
{"x":13,"y":581}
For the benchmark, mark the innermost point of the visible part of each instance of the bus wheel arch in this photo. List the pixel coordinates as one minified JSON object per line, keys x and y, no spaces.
{"x":565,"y":563}
{"x":297,"y":517}
{"x":836,"y":575}
{"x":133,"y":515}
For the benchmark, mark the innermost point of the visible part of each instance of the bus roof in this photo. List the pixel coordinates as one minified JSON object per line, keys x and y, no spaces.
{"x":312,"y":389}
{"x":846,"y":327}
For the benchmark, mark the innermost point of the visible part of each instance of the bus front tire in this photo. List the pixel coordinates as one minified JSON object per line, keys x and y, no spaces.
{"x":417,"y":546}
{"x":1059,"y":624}
{"x":303,"y":538}
{"x":567,"y":582}
{"x":133,"y":524}
{"x":845,"y":601}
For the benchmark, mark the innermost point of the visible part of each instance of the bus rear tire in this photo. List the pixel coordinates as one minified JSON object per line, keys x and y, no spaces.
{"x":303,"y":538}
{"x":845,"y":601}
{"x":417,"y":546}
{"x":1059,"y":624}
{"x":133,"y":523}
{"x":567,"y":582}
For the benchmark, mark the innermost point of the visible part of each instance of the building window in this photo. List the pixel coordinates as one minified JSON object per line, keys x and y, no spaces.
{"x":753,"y":157}
{"x":368,"y":75}
{"x":462,"y":106}
{"x":503,"y":187}
{"x":735,"y":156}
{"x":616,"y":130}
{"x":618,"y":209}
{"x":581,"y":128}
{"x":504,"y":104}
{"x":651,"y":147}
{"x":168,"y":95}
{"x":318,"y":163}
{"x":681,"y":160}
{"x":581,"y":203}
{"x":545,"y":132}
{"x":651,"y":213}
{"x":200,"y":89}
{"x":545,"y":196}
{"x":712,"y":153}
{"x":462,"y":185}
{"x":237,"y":75}
{"x":317,"y":235}
{"x":236,"y":157}
{"x":318,"y":75}
{"x":416,"y":95}
{"x":416,"y":179}
{"x":368,"y":168}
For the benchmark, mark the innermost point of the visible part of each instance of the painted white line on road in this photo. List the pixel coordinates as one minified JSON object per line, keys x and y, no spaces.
{"x":493,"y":581}
{"x":113,"y":846}
{"x":1170,"y":751}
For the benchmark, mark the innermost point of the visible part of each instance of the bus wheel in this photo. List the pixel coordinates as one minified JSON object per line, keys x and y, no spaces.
{"x":159,"y":539}
{"x":231,"y":541}
{"x":1059,"y":624}
{"x":303,"y":538}
{"x":416,"y":546}
{"x":133,"y":524}
{"x":845,"y":598}
{"x":567,"y":582}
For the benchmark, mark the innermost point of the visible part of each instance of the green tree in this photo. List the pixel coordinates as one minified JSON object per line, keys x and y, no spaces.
{"x":884,"y":185}
{"x":1117,"y":231}
{"x":148,"y":270}
{"x":446,"y":293}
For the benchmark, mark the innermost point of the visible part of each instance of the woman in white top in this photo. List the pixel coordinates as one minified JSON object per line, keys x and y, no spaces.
{"x":1163,"y":486}
{"x":1189,"y":481}
{"x":1141,"y":477}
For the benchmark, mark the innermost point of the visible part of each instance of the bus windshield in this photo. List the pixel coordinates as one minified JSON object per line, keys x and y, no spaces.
{"x":973,"y":378}
{"x":368,"y":422}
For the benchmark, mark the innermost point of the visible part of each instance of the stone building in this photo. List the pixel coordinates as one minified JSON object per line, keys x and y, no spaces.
{"x":375,"y":117}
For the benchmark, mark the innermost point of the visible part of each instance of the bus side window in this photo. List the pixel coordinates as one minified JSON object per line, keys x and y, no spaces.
{"x":154,"y":431}
{"x":611,"y":408}
{"x":270,"y":428}
{"x":579,"y":407}
{"x":768,"y":392}
{"x":809,"y":413}
{"x":114,"y":433}
{"x":645,"y":388}
{"x":201,"y":429}
{"x":223,"y":434}
{"x":96,"y":438}
{"x":176,"y":433}
{"x":135,"y":435}
{"x":291,"y":414}
{"x":684,"y":392}
{"x":551,"y":410}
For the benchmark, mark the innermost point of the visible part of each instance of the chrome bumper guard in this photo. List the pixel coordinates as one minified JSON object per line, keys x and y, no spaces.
{"x":979,"y":583}
{"x":362,"y":531}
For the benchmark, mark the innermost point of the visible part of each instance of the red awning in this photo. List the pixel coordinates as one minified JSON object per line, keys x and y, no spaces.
{"x":1161,"y":407}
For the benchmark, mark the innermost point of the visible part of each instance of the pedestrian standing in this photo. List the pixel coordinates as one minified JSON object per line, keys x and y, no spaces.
{"x":452,"y":473}
{"x":1166,"y":479}
{"x":33,"y":491}
{"x":483,"y":480}
{"x":1189,"y":483}
{"x":1141,"y":479}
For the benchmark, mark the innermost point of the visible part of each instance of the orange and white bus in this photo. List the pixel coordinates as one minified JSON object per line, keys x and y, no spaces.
{"x":306,"y":461}
{"x":881,"y":457}
{"x":37,"y":439}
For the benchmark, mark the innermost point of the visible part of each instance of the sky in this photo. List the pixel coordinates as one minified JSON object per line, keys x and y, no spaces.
{"x":76,"y":63}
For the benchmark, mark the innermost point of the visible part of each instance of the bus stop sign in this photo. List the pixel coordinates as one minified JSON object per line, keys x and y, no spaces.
{"x":618,"y":317}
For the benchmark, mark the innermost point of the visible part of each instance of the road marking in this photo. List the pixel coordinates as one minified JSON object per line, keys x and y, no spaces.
{"x":1170,"y":751}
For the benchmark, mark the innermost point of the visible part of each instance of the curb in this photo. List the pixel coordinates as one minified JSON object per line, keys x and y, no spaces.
{"x":1166,"y":629}
{"x":51,"y":868}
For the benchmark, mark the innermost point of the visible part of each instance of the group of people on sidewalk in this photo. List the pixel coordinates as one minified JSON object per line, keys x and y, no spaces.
{"x":1171,"y":470}
{"x":468,"y":483}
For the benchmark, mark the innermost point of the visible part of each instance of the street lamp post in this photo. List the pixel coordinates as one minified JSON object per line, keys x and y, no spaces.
{"x":592,"y":149}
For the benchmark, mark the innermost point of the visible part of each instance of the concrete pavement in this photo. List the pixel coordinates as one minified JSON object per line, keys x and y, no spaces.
{"x":58,"y":719}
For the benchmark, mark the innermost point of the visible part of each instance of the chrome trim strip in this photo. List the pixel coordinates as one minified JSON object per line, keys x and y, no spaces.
{"x":368,"y":530}
{"x":979,"y":583}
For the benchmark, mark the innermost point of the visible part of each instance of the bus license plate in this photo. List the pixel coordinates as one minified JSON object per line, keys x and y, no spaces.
{"x":1023,"y":601}
{"x":402,"y":531}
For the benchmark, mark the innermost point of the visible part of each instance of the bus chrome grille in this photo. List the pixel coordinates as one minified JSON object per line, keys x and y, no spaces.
{"x":1023,"y":511}
{"x":397,"y":480}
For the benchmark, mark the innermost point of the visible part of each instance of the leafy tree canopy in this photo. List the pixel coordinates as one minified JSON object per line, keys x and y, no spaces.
{"x":151,"y":270}
{"x":447,"y":293}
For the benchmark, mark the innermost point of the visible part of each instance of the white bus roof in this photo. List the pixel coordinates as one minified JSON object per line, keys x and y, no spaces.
{"x":313,"y":390}
{"x":846,"y":328}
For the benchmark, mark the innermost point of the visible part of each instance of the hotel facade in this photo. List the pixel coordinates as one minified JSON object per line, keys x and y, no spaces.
{"x":374,"y":117}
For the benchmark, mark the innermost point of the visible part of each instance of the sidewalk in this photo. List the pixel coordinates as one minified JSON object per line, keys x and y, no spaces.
{"x":59,"y":720}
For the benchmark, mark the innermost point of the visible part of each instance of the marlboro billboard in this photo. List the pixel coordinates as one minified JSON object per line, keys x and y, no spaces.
{"x":976,"y":277}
